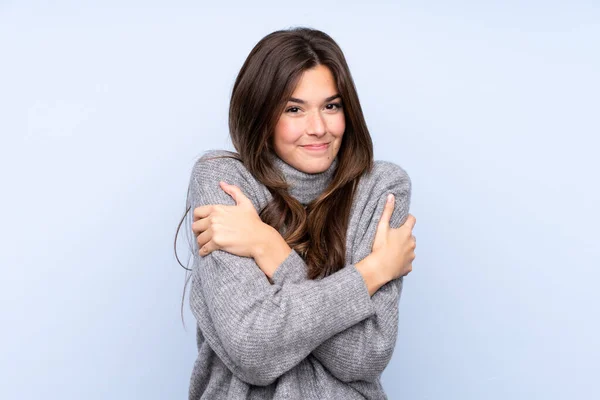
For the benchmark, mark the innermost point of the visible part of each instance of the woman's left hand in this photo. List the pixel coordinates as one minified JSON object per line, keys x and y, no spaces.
{"x":235,"y":229}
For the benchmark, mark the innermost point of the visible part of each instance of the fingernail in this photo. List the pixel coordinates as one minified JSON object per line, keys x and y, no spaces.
{"x":390,"y":198}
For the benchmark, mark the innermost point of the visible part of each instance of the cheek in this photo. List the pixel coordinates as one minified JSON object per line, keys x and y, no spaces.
{"x":287,"y":131}
{"x":337,"y":125}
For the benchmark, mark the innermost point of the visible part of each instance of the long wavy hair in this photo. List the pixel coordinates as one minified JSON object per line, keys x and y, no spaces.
{"x":261,"y":90}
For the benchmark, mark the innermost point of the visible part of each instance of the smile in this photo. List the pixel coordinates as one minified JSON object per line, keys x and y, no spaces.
{"x":322,"y":146}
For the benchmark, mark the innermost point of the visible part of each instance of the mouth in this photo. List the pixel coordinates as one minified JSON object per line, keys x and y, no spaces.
{"x":319,"y":146}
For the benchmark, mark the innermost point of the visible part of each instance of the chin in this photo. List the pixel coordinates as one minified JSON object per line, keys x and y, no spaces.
{"x":314,"y":166}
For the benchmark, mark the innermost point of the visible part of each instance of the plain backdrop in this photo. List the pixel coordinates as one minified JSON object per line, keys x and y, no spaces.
{"x":491,"y":107}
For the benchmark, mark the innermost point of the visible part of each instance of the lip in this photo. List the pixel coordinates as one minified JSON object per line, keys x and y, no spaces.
{"x":316,"y":147}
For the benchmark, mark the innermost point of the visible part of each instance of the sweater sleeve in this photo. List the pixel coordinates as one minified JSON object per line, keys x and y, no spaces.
{"x":362,"y":351}
{"x":259,"y":330}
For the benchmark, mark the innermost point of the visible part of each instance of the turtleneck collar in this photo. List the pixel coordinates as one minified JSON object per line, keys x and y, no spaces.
{"x":305,"y":187}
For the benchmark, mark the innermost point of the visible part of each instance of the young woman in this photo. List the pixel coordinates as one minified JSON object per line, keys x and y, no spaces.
{"x":299,"y":257}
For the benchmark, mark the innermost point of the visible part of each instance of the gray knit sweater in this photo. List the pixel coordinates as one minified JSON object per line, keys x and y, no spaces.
{"x":297,"y":338}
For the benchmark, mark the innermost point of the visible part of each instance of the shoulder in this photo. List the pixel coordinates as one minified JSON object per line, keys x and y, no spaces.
{"x":222,"y":165}
{"x":387,"y":175}
{"x":384,"y":178}
{"x":218,"y":162}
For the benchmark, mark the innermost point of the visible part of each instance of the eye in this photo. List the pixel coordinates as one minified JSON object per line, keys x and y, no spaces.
{"x":335,"y":106}
{"x":292,"y":110}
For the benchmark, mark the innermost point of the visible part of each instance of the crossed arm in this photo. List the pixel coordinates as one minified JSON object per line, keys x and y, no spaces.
{"x":362,"y":351}
{"x":261,"y":331}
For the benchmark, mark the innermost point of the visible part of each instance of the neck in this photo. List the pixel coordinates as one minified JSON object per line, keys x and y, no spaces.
{"x":305,"y":187}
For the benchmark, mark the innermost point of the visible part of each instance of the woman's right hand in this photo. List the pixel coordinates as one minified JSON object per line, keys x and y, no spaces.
{"x":394,"y":248}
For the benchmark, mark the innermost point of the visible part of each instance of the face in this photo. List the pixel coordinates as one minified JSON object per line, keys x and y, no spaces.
{"x":309,"y":133}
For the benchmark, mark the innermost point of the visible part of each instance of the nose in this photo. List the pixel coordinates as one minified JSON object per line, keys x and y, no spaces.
{"x":315,"y":124}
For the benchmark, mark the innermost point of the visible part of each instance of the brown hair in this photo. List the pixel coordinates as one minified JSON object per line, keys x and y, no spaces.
{"x":265,"y":82}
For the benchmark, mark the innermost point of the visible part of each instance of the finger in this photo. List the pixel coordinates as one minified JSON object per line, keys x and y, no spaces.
{"x":202,"y":212}
{"x":410,"y":222}
{"x":200,"y":226}
{"x":204,"y":238}
{"x":206,"y":249}
{"x":388,"y":209}
{"x":237,"y":194}
{"x":231,"y":190}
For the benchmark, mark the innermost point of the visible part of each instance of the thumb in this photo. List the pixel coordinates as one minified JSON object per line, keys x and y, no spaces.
{"x":388,"y":209}
{"x":410,"y":222}
{"x":236,"y":193}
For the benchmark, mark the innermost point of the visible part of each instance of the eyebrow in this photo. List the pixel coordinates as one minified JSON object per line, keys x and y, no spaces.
{"x":300,"y":101}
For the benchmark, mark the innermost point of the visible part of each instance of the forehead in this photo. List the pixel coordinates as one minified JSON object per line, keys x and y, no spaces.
{"x":315,"y":84}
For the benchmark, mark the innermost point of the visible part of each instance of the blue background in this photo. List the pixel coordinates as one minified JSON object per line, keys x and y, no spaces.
{"x":491,"y":107}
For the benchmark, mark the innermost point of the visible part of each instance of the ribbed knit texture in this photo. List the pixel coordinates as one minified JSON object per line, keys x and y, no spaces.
{"x":296,"y":338}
